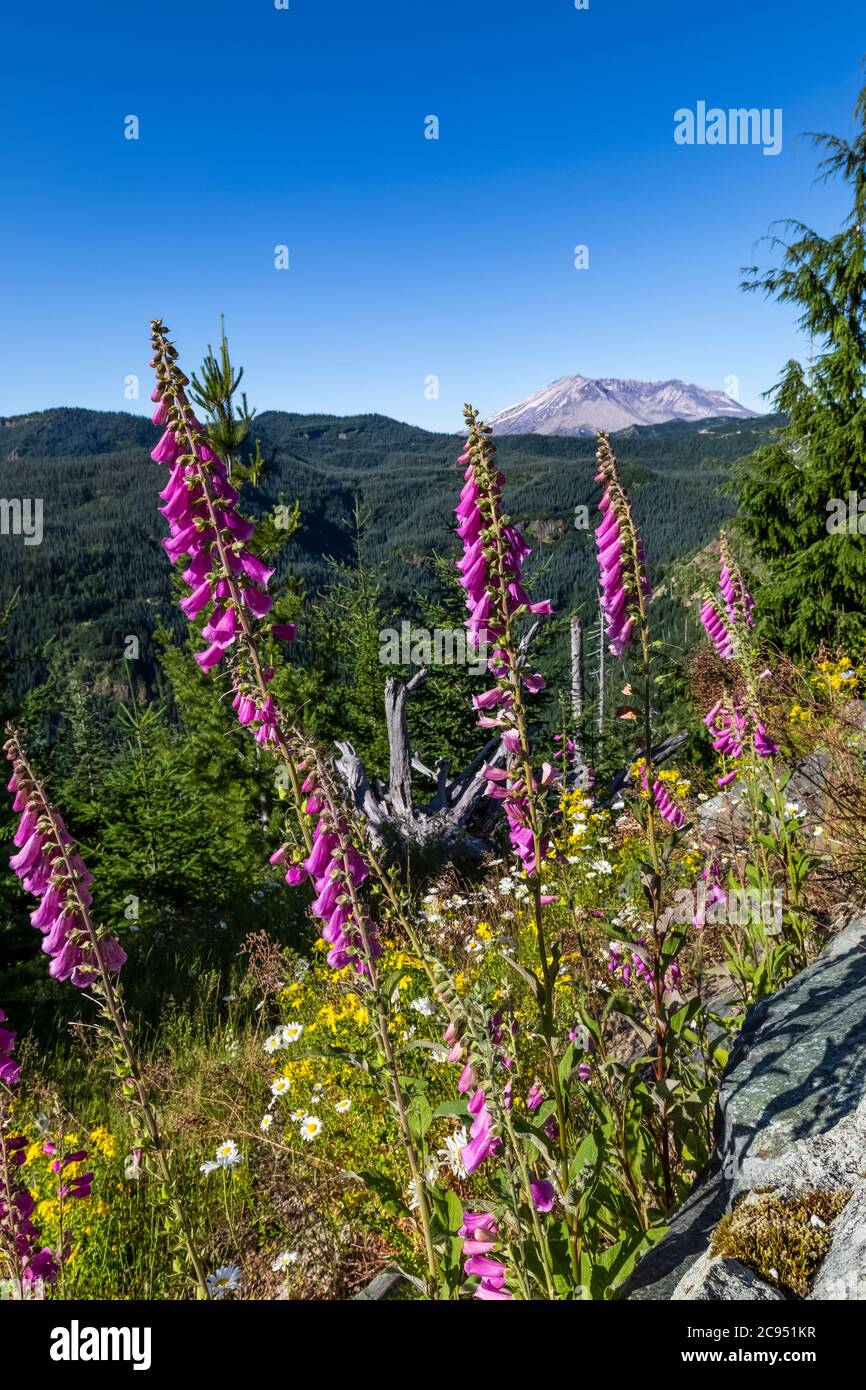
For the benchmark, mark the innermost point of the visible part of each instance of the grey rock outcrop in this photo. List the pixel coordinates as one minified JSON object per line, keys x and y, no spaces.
{"x":842,"y":1275}
{"x":791,"y":1112}
{"x":712,"y":1279}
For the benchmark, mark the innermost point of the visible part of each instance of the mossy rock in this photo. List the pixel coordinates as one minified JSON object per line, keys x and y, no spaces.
{"x":783,"y":1239}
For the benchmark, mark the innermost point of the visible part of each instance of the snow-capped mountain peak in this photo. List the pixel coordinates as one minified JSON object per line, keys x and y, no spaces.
{"x":582,"y":405}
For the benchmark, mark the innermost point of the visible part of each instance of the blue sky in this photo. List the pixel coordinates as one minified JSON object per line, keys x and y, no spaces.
{"x":409,"y":257}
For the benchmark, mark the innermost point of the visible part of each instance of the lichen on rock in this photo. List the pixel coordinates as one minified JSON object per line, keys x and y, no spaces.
{"x":784,"y":1239}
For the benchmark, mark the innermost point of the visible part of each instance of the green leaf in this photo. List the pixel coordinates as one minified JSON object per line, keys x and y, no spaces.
{"x":419,"y":1116}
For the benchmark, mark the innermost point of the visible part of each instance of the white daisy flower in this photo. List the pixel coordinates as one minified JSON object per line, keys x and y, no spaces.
{"x":224,"y":1280}
{"x":283,"y":1260}
{"x":267,"y":1121}
{"x":311,"y":1125}
{"x":280,"y":1086}
{"x":292,"y":1031}
{"x":273,"y":1043}
{"x":343,"y":1106}
{"x":451,"y":1153}
{"x":227,"y":1154}
{"x":422,"y":1006}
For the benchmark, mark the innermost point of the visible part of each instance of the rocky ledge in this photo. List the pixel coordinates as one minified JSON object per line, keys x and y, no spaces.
{"x":790,"y":1132}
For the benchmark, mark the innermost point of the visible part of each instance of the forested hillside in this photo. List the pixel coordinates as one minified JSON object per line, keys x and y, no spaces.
{"x":99,"y":573}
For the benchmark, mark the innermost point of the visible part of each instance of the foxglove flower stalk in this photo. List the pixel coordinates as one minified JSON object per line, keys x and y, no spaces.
{"x":211,"y":538}
{"x":19,"y":1235}
{"x":738,"y":600}
{"x":337,"y":871}
{"x":725,"y":617}
{"x":664,"y":802}
{"x":479,"y":1233}
{"x":717,"y":629}
{"x":491,"y":573}
{"x":78,"y":1186}
{"x":622,"y":566}
{"x":50,"y":867}
{"x":667,"y":807}
{"x":483,"y":1139}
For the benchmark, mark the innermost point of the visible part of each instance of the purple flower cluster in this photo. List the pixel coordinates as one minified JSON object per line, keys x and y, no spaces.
{"x":662,"y":799}
{"x":710,"y":892}
{"x":482,"y":1137}
{"x":51,"y":868}
{"x":18,"y":1231}
{"x":732,"y":726}
{"x":77,"y":1187}
{"x":494,"y":553}
{"x":207,"y":528}
{"x":721,"y":618}
{"x":622,"y":565}
{"x":479,"y":1232}
{"x":667,"y":807}
{"x":336,"y":870}
{"x":9,"y":1068}
{"x":262,"y":717}
{"x":19,"y":1234}
{"x":506,"y":785}
{"x":717,"y":629}
{"x":630,"y":965}
{"x":738,"y":600}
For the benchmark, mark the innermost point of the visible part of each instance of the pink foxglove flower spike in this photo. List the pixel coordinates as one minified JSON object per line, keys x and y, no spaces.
{"x":622,"y":566}
{"x":494,"y":552}
{"x":51,"y":868}
{"x":210,"y":537}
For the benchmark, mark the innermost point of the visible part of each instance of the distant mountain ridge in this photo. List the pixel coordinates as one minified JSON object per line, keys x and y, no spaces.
{"x":100,"y":572}
{"x":579,"y":405}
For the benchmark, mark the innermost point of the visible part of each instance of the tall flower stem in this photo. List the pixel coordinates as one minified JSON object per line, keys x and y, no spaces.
{"x":503,"y":618}
{"x":369,"y":974}
{"x":10,"y":1254}
{"x":107,"y":993}
{"x":628,"y":567}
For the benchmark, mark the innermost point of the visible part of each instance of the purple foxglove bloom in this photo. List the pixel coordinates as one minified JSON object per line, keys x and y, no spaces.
{"x":51,"y":869}
{"x":543,"y":1194}
{"x":622,"y":570}
{"x":9,"y":1068}
{"x":201,"y":507}
{"x":479,"y":1231}
{"x":337,"y":870}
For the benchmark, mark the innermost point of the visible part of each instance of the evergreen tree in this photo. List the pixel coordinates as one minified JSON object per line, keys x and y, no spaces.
{"x":346,"y":626}
{"x":815,"y":577}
